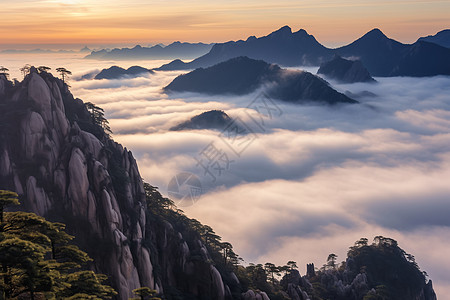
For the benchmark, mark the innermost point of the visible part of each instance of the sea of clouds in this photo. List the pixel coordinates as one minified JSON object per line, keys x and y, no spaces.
{"x":307,"y":180}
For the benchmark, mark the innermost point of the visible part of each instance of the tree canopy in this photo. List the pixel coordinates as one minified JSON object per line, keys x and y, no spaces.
{"x":64,"y":73}
{"x":37,"y":259}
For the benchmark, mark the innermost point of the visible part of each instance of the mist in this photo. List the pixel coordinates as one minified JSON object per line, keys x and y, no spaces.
{"x":306,"y":181}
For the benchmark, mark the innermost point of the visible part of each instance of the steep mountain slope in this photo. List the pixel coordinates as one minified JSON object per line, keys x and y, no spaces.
{"x":346,"y":71}
{"x":381,"y":55}
{"x":242,"y":75}
{"x":55,"y":154}
{"x":442,"y":38}
{"x":381,"y":270}
{"x":282,"y":47}
{"x":376,"y":51}
{"x":386,"y":57}
{"x":423,"y":59}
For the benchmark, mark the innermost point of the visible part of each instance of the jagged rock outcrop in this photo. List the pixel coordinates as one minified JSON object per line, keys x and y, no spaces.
{"x":66,"y":168}
{"x":310,"y":270}
{"x":381,"y":270}
{"x":252,"y":295}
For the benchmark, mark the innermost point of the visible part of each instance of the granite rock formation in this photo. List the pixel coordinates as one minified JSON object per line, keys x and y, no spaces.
{"x":66,"y":168}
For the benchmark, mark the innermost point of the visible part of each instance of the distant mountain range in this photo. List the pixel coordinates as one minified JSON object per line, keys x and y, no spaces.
{"x":345,"y":71}
{"x":381,"y":55}
{"x":213,"y":119}
{"x":386,"y":57}
{"x":242,"y":75}
{"x":39,"y":51}
{"x":116,"y":72}
{"x":282,"y":47}
{"x":441,"y":38}
{"x":176,"y":49}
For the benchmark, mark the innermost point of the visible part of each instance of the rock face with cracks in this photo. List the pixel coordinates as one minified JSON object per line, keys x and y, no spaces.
{"x":65,"y":168}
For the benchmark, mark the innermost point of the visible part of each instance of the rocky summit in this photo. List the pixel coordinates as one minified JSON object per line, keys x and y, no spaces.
{"x":64,"y":166}
{"x":57,"y":154}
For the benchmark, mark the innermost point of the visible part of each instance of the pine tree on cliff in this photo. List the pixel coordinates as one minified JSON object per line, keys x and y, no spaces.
{"x":64,"y":73}
{"x":38,"y":261}
{"x":145,"y":293}
{"x":7,"y":198}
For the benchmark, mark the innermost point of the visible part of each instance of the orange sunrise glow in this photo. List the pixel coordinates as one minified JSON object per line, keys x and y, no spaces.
{"x":130,"y":22}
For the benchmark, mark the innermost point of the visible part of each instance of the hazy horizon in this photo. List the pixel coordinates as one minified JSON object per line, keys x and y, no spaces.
{"x":116,"y":22}
{"x":393,"y":146}
{"x":316,"y":178}
{"x":94,"y":46}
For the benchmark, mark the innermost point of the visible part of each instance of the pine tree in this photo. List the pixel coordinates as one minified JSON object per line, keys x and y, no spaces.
{"x":145,"y":293}
{"x":37,"y":260}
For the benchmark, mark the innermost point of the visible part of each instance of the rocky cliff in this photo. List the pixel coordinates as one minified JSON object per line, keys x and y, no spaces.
{"x":63,"y":165}
{"x":381,"y":270}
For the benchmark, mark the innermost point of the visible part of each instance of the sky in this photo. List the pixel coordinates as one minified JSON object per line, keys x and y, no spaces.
{"x":317,"y":178}
{"x":314,"y":181}
{"x":62,"y":23}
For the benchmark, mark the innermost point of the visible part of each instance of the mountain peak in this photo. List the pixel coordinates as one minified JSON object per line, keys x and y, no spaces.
{"x":301,"y":32}
{"x":375,"y":33}
{"x":285,"y":30}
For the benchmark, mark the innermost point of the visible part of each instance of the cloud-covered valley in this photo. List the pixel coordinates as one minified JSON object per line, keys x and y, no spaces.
{"x":313,"y":179}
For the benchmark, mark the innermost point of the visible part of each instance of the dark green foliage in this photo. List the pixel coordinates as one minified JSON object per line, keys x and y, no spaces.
{"x":391,"y":273}
{"x":7,"y":198}
{"x":98,"y":117}
{"x":386,"y":264}
{"x":87,"y":282}
{"x":64,"y":73}
{"x":38,"y":262}
{"x":42,"y":69}
{"x":162,"y":211}
{"x":145,"y":293}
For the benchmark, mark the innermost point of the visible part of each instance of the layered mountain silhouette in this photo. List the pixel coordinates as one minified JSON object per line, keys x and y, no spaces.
{"x":63,"y":164}
{"x":58,"y":156}
{"x":381,"y":55}
{"x":243,"y":75}
{"x":116,"y":72}
{"x":386,"y":57}
{"x":282,"y":47}
{"x":345,"y":71}
{"x":442,"y":38}
{"x":176,"y":49}
{"x":213,"y":119}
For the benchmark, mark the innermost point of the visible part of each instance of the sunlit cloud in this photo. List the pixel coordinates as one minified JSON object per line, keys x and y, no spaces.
{"x":333,"y":23}
{"x":316,"y":178}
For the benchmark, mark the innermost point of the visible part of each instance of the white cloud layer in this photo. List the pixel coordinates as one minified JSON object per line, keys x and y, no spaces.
{"x":314,"y":179}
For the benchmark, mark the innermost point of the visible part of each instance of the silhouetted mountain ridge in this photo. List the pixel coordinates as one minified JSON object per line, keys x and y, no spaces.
{"x":346,"y":71}
{"x":116,"y":72}
{"x":176,"y":49}
{"x":442,"y":38}
{"x":243,"y":75}
{"x":381,"y":55}
{"x":282,"y":47}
